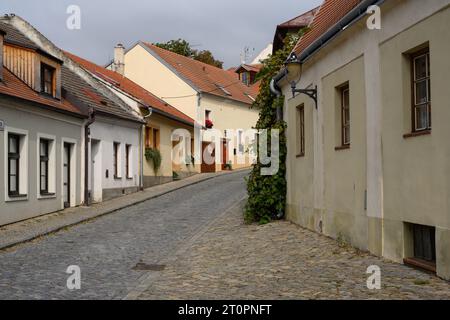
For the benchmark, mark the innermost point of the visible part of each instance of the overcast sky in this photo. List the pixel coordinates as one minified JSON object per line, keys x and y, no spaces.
{"x":225,"y":27}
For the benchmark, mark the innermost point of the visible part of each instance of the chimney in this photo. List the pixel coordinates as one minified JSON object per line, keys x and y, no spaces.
{"x":2,"y":36}
{"x":119,"y":59}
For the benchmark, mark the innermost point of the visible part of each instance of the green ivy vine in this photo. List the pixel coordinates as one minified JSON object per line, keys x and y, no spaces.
{"x":267,"y":194}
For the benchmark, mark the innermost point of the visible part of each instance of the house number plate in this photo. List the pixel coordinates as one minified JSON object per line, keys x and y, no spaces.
{"x":2,"y":125}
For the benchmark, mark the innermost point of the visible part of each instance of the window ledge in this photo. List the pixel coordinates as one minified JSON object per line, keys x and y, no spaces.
{"x":117,"y":178}
{"x":345,"y":147}
{"x":47,"y":196}
{"x":421,"y":264}
{"x":301,"y":155}
{"x":417,"y":134}
{"x":19,"y":197}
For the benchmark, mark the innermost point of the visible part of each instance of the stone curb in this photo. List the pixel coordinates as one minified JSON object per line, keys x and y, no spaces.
{"x":92,"y":213}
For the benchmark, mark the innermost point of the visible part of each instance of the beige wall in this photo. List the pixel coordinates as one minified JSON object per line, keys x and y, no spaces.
{"x":147,"y":71}
{"x":230,"y":115}
{"x":167,"y":127}
{"x":406,"y":179}
{"x":416,"y":170}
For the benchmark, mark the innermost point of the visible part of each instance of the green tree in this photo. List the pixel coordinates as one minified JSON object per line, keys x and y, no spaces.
{"x":184,"y":48}
{"x":179,"y":46}
{"x":267,"y":194}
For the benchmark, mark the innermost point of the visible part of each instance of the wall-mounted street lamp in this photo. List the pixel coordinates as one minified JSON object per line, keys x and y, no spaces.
{"x":294,"y":66}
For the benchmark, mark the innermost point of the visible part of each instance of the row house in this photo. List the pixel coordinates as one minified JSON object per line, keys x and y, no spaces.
{"x":216,"y":99}
{"x":368,"y":161}
{"x":162,"y":122}
{"x":64,"y":139}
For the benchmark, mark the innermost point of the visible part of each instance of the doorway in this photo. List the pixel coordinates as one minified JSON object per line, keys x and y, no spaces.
{"x":96,"y":194}
{"x":67,"y":154}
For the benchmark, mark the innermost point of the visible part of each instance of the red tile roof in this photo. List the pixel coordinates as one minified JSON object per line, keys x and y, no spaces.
{"x":207,"y":78}
{"x":14,"y":87}
{"x":329,"y":14}
{"x":131,"y":88}
{"x":250,"y":67}
{"x":301,"y":21}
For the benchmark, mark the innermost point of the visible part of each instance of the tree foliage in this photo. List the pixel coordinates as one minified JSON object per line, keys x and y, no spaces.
{"x":267,"y":194}
{"x":184,"y":48}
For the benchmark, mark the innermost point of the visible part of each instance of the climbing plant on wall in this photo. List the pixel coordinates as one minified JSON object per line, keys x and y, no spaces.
{"x":267,"y":194}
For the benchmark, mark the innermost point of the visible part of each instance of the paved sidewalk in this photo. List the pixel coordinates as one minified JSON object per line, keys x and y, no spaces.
{"x":231,"y":260}
{"x":31,"y":229}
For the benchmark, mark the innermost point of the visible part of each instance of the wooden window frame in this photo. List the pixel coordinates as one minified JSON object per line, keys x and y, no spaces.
{"x":345,"y":141}
{"x":15,"y":157}
{"x":414,"y":106}
{"x":44,"y":159}
{"x":52,"y":70}
{"x":300,"y":125}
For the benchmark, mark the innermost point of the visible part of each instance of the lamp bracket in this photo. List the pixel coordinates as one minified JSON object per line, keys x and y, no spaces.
{"x":312,"y":93}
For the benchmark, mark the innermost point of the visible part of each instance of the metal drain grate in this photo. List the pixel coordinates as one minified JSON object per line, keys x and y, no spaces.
{"x":141,"y":266}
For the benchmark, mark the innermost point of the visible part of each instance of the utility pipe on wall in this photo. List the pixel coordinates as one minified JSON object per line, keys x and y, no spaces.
{"x":87,"y":139}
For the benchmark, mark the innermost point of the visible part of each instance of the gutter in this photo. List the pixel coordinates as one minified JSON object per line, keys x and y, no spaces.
{"x":349,"y":19}
{"x":353,"y":16}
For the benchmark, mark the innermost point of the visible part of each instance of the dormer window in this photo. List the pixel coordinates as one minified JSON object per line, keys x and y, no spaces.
{"x":47,"y":80}
{"x":245,"y":78}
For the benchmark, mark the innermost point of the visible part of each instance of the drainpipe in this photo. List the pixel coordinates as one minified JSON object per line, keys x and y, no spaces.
{"x":142,"y":155}
{"x":275,"y":89}
{"x":87,"y":133}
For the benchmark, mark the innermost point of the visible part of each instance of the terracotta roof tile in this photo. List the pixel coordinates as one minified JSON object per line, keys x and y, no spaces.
{"x":14,"y":87}
{"x":329,"y":14}
{"x":207,"y":78}
{"x":130,"y":88}
{"x":303,"y":20}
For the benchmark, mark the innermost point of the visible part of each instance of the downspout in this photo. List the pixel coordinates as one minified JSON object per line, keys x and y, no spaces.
{"x":275,"y":89}
{"x":142,"y":145}
{"x":87,"y":133}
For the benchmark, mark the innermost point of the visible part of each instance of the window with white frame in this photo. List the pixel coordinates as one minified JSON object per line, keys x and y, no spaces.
{"x":16,"y":165}
{"x":46,"y":166}
{"x":13,"y":164}
{"x":116,"y":160}
{"x":128,"y":161}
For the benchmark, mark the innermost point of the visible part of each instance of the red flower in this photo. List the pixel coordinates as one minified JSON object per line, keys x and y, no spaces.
{"x":209,"y":124}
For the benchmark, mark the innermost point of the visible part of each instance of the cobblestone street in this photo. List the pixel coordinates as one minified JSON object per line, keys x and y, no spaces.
{"x":109,"y":248}
{"x":192,"y":244}
{"x":230,"y":260}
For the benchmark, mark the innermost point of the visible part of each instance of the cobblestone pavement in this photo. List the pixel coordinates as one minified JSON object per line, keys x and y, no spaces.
{"x":231,"y":260}
{"x":108,"y":249}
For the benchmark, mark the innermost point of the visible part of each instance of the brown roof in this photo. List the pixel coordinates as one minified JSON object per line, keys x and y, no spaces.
{"x":14,"y":87}
{"x":303,"y":20}
{"x":330,"y":13}
{"x":81,"y":93}
{"x":250,"y":67}
{"x":131,"y":88}
{"x":207,"y":78}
